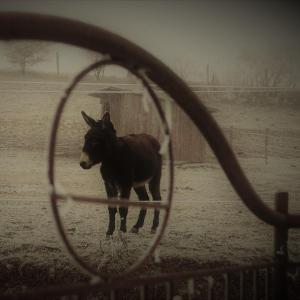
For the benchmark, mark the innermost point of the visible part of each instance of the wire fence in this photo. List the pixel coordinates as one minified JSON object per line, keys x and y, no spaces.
{"x":256,"y":143}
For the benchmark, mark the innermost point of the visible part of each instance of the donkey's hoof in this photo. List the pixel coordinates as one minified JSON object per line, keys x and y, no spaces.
{"x":153,"y":230}
{"x":109,"y":237}
{"x":134,"y":230}
{"x":122,"y":236}
{"x":123,"y":229}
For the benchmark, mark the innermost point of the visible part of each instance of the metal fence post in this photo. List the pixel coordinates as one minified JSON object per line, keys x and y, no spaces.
{"x":280,"y":288}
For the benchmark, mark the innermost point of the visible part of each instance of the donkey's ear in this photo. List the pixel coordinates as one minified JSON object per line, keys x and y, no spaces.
{"x":90,"y":121}
{"x":106,"y":117}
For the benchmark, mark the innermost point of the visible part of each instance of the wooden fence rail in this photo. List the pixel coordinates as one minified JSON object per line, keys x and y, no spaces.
{"x":255,"y":143}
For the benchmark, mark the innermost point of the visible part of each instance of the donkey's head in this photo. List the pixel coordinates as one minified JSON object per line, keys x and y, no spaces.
{"x":98,"y":141}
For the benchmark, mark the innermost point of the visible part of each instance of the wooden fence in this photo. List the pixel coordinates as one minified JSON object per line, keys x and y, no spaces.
{"x":256,"y":143}
{"x":129,"y":116}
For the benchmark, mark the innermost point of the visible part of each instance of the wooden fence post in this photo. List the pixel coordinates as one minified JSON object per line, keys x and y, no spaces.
{"x":280,"y":285}
{"x":266,"y":145}
{"x":203,"y":145}
{"x":231,"y":138}
{"x":57,"y":63}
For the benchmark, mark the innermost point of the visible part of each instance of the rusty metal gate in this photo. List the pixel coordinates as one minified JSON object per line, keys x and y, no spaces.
{"x":118,"y":51}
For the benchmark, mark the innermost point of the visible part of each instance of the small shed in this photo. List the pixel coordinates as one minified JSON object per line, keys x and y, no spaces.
{"x":129,"y":116}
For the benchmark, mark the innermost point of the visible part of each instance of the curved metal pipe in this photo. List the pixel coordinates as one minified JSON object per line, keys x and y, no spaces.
{"x":56,"y":29}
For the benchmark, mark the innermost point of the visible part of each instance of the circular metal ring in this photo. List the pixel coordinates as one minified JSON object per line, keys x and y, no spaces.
{"x":51,"y":172}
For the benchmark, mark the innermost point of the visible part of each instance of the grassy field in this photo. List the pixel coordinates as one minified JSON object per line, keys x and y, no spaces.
{"x":209,"y":226}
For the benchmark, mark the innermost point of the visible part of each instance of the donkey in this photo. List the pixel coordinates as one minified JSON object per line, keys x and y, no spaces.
{"x":129,"y":161}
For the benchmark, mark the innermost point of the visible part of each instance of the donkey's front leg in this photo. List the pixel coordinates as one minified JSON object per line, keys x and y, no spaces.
{"x":125,"y":194}
{"x":112,"y":192}
{"x":143,"y":196}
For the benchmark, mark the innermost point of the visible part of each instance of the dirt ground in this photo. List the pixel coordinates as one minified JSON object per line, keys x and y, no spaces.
{"x":209,"y":225}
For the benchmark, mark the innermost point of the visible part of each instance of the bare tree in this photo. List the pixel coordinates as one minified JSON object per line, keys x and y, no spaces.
{"x":272,"y":69}
{"x":26,"y":53}
{"x":94,"y":57}
{"x":214,"y":79}
{"x":188,"y":70}
{"x":183,"y":68}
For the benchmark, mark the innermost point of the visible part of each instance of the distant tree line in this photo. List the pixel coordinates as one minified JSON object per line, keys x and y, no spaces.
{"x":275,"y":68}
{"x":25,"y":54}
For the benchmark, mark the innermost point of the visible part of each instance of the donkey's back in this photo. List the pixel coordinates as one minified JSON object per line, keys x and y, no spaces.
{"x":142,"y":152}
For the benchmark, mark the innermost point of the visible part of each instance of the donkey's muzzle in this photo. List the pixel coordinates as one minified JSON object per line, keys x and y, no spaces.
{"x":85,"y":161}
{"x":84,"y":165}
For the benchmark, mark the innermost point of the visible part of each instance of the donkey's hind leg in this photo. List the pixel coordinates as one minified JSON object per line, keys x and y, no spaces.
{"x":112,"y":192}
{"x":154,"y":187}
{"x":143,"y":196}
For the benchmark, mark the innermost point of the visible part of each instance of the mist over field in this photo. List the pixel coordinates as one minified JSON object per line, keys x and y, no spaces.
{"x":208,"y":224}
{"x":243,"y":63}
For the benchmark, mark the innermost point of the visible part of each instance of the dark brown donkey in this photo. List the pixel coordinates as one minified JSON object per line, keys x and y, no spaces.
{"x":129,"y":161}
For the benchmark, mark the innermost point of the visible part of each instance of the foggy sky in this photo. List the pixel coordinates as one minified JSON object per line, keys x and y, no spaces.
{"x":199,"y":32}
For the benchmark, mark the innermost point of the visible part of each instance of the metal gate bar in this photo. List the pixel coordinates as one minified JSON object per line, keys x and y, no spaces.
{"x":142,"y":282}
